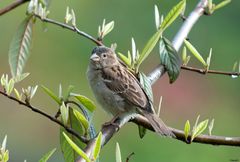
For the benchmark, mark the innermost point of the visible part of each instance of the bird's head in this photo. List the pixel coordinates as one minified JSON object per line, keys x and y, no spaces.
{"x":103,"y":57}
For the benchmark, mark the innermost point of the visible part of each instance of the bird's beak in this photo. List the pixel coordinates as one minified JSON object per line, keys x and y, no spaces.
{"x":95,"y":57}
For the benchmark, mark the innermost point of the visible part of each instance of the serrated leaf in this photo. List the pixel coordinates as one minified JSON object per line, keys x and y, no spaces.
{"x":141,"y":131}
{"x":148,"y":48}
{"x":187,"y":129}
{"x":146,"y":85}
{"x":125,"y":59}
{"x":20,"y":77}
{"x":170,"y":59}
{"x":51,"y":94}
{"x":81,"y":118}
{"x":20,"y":47}
{"x":221,"y":4}
{"x":199,"y":129}
{"x":118,"y":153}
{"x":97,"y":146}
{"x":47,"y":155}
{"x":76,"y":148}
{"x":173,"y":14}
{"x":195,"y":53}
{"x":86,"y":102}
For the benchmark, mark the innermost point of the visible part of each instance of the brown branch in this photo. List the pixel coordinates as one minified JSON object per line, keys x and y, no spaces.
{"x":38,"y":111}
{"x":109,"y":131}
{"x":12,"y":6}
{"x":203,"y":71}
{"x":72,"y":28}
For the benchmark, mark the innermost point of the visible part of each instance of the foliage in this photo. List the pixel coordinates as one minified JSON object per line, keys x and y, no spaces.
{"x":76,"y":110}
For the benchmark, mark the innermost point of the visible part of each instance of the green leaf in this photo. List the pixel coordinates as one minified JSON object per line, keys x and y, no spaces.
{"x":118,"y":153}
{"x":125,"y":59}
{"x":10,"y":86}
{"x":97,"y":146}
{"x":141,"y":131}
{"x":86,"y":102}
{"x":173,"y":14}
{"x":69,"y":154}
{"x":187,"y":129}
{"x":170,"y":59}
{"x":81,"y":119}
{"x":67,"y":150}
{"x":47,"y":155}
{"x":108,"y":28}
{"x":148,"y":47}
{"x":17,"y":94}
{"x":69,"y":91}
{"x":20,"y":47}
{"x":157,"y":17}
{"x":199,"y":129}
{"x":209,"y":59}
{"x":4,"y":144}
{"x":146,"y":85}
{"x":76,"y":148}
{"x":20,"y":77}
{"x":51,"y":94}
{"x":195,"y":53}
{"x":64,"y":113}
{"x":221,"y":4}
{"x":210,"y":127}
{"x":6,"y":156}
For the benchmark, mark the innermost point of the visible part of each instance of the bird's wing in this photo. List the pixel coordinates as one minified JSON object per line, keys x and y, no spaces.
{"x":122,"y":82}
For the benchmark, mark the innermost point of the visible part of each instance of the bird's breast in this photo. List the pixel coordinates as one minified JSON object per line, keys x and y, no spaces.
{"x":110,"y":101}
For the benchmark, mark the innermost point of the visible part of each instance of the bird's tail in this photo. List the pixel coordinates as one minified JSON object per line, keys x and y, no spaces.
{"x":157,"y":124}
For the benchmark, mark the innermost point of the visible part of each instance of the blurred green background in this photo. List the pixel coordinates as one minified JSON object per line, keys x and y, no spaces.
{"x":60,"y":56}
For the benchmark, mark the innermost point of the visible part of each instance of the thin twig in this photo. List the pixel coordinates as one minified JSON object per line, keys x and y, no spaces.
{"x":72,"y":28}
{"x":129,"y":156}
{"x":37,"y":110}
{"x":203,"y":71}
{"x":12,"y":6}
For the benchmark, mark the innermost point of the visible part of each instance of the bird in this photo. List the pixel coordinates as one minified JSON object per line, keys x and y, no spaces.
{"x":117,"y":89}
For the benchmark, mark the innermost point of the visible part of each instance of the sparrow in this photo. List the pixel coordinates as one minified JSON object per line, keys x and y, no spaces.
{"x":118,"y":90}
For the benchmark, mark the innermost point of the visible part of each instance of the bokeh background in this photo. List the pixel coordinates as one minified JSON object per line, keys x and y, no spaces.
{"x":60,"y":56}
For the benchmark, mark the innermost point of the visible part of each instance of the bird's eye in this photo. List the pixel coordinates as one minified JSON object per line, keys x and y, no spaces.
{"x":104,"y":55}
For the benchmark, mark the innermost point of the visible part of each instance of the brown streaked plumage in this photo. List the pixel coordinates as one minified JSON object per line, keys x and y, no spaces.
{"x":118,"y":90}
